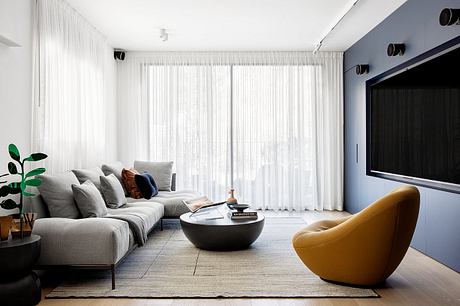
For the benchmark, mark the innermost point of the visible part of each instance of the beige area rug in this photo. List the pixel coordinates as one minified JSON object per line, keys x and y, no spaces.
{"x":169,"y":266}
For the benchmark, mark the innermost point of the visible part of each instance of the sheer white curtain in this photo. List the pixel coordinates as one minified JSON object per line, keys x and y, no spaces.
{"x":178,"y":113}
{"x":288,"y":134}
{"x":74,"y":104}
{"x":269,"y":124}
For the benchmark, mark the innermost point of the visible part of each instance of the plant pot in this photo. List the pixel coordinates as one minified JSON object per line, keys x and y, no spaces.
{"x":5,"y":225}
{"x":28,"y":220}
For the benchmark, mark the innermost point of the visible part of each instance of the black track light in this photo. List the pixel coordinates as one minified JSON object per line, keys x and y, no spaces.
{"x":362,"y":69}
{"x":449,"y":16}
{"x":396,"y":49}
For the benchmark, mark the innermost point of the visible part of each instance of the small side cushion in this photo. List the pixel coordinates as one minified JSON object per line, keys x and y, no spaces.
{"x":115,"y":168}
{"x":112,"y":191}
{"x":161,"y":172}
{"x":89,"y":200}
{"x":130,"y":184}
{"x":92,"y":241}
{"x":146,"y":185}
{"x":56,"y":191}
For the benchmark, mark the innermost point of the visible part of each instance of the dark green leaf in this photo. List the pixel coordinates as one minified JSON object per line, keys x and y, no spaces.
{"x":14,"y":152}
{"x":23,"y":186}
{"x":12,"y":168}
{"x":33,"y":182}
{"x":4,"y":191}
{"x":8,"y":204}
{"x":15,"y":188}
{"x":35,"y":172}
{"x":27,"y":194}
{"x":36,"y":157}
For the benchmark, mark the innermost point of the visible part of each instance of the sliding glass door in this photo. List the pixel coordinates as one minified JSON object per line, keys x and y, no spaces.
{"x":252,"y":127}
{"x":273,"y":135}
{"x":189,"y":123}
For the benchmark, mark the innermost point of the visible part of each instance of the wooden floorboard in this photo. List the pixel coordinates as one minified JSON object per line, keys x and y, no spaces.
{"x":419,"y":280}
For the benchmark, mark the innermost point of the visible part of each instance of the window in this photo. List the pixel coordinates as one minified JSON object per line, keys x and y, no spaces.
{"x":247,"y":126}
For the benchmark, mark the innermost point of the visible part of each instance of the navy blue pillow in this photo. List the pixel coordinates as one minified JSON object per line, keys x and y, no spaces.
{"x":146,"y":185}
{"x":152,"y":181}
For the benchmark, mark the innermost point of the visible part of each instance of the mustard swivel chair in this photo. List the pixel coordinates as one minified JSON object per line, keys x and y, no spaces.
{"x":365,"y":248}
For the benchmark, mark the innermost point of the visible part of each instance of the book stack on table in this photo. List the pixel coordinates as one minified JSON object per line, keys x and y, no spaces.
{"x":245,"y":215}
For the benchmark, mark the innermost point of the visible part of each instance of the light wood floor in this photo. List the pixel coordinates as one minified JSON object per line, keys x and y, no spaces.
{"x":419,"y":280}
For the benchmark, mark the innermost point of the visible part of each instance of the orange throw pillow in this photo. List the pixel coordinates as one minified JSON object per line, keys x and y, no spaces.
{"x":127,"y":175}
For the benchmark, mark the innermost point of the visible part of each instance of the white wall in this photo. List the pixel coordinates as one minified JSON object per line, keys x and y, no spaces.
{"x":15,"y":79}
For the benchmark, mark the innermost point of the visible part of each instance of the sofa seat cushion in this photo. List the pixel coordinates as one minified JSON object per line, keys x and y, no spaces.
{"x":149,"y":213}
{"x":91,"y":241}
{"x":172,"y":201}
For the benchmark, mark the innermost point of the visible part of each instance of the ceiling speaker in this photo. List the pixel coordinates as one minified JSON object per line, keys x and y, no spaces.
{"x":119,"y":55}
{"x":362,"y":69}
{"x":449,"y":16}
{"x":396,"y":49}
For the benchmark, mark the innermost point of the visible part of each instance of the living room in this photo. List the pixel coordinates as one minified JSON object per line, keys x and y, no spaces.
{"x":229,"y":152}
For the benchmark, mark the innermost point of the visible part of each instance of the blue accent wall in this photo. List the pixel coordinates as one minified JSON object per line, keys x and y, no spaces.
{"x":416,"y":24}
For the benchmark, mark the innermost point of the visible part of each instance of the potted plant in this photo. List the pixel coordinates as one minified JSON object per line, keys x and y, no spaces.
{"x":27,"y":179}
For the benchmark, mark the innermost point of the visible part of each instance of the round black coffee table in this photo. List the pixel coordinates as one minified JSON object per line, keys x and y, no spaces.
{"x":221,"y":234}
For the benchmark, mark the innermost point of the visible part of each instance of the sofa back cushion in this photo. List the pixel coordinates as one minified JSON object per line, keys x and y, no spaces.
{"x":92,"y":175}
{"x":112,"y":191}
{"x":161,"y":172}
{"x":56,"y":191}
{"x":115,"y":168}
{"x":38,"y":206}
{"x":89,"y":200}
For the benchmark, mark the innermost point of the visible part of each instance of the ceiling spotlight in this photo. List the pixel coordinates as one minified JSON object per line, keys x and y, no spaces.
{"x":119,"y":55}
{"x":449,"y":16}
{"x":164,"y":35}
{"x":396,"y":49}
{"x":362,"y":69}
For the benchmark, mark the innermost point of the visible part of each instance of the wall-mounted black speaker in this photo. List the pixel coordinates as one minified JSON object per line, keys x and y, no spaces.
{"x":449,"y":16}
{"x":119,"y":55}
{"x":396,"y":49}
{"x":362,"y":69}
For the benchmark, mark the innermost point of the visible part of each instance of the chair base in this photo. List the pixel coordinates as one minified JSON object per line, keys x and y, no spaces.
{"x":377,"y":285}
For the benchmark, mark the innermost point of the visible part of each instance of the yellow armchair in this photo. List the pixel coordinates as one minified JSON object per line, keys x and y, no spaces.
{"x":363,"y":249}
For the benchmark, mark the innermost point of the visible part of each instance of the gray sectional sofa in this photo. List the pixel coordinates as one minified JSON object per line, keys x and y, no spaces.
{"x":102,"y":243}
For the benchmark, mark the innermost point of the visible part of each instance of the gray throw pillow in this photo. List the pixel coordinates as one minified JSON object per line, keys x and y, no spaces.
{"x":89,"y":200}
{"x":161,"y":172}
{"x":112,"y":192}
{"x":56,"y":191}
{"x":115,"y":168}
{"x":92,"y":175}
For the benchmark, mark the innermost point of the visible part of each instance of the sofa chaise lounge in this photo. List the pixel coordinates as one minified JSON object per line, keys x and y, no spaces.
{"x":102,"y":243}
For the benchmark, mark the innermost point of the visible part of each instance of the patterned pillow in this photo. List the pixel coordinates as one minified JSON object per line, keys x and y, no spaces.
{"x":128,"y":180}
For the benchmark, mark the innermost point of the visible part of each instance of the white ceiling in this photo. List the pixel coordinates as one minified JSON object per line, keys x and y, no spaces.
{"x":233,"y":25}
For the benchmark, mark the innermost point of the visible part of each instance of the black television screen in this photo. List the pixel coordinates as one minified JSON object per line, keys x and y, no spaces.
{"x":413,"y":121}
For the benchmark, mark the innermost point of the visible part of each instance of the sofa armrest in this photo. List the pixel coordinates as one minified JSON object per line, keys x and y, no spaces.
{"x":173,"y":182}
{"x":91,"y":241}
